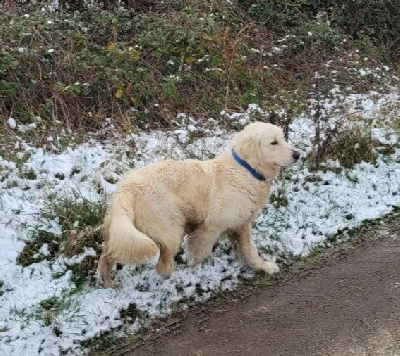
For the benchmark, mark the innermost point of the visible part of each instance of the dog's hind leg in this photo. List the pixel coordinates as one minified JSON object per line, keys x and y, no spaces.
{"x":166,"y":263}
{"x":201,"y":242}
{"x":105,"y":266}
{"x":244,"y":245}
{"x":169,"y":247}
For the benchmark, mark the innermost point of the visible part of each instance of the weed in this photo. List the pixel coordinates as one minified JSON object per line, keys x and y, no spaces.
{"x":50,"y":304}
{"x":28,"y":174}
{"x":31,"y":252}
{"x":279,"y":198}
{"x":49,"y":308}
{"x":80,"y":273}
{"x":80,"y":220}
{"x":352,"y":146}
{"x":360,"y":20}
{"x":131,"y":313}
{"x":104,"y":341}
{"x":109,"y":339}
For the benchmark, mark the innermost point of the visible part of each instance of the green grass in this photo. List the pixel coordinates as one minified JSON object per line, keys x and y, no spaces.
{"x":103,"y":342}
{"x":30,"y":254}
{"x":279,"y":199}
{"x":109,"y":339}
{"x":49,"y":309}
{"x":352,"y":147}
{"x":80,"y":220}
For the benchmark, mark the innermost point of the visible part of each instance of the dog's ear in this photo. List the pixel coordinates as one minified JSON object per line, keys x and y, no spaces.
{"x":253,"y":147}
{"x":248,"y":146}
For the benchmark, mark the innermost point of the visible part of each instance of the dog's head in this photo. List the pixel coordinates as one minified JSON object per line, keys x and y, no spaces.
{"x":264,"y":147}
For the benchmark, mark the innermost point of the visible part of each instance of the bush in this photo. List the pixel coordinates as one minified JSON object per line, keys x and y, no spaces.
{"x":349,"y":146}
{"x":79,"y":67}
{"x":182,"y":56}
{"x":378,"y":21}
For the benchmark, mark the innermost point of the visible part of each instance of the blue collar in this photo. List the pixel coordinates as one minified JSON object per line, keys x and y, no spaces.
{"x":244,"y":164}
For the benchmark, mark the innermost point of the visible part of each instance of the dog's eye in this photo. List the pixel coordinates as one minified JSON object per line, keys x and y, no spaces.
{"x":274,"y":142}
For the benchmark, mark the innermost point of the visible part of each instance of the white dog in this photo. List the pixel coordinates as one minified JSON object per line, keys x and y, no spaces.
{"x":156,"y":205}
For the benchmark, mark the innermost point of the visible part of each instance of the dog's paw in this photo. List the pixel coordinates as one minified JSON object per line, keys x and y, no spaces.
{"x":106,"y":283}
{"x":165,"y":270}
{"x":110,"y":284}
{"x":270,"y":267}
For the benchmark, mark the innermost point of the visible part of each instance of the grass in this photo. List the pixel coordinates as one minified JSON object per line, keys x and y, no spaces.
{"x":103,"y":342}
{"x":346,"y":146}
{"x":30,"y":254}
{"x":70,"y":70}
{"x":49,"y":309}
{"x":80,"y":220}
{"x":279,"y":199}
{"x":107,"y":340}
{"x":352,"y":147}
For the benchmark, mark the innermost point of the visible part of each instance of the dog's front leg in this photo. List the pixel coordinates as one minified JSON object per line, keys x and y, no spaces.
{"x":245,"y":247}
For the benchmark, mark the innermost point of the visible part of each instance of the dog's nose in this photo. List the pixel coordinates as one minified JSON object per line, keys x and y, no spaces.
{"x":296,"y":155}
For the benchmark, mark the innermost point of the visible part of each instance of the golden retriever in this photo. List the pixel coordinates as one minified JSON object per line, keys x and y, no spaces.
{"x":154,"y":206}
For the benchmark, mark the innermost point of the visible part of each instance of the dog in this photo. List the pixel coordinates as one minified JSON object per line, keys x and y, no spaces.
{"x":155,"y":206}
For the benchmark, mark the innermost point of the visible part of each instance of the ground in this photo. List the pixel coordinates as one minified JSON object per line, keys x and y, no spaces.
{"x":347,"y":305}
{"x":51,"y":203}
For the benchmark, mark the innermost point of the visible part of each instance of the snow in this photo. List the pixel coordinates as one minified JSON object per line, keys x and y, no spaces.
{"x":315,"y":210}
{"x":12,"y":123}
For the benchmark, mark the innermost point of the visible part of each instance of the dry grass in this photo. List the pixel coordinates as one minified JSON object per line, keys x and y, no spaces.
{"x":350,"y":146}
{"x":67,"y":70}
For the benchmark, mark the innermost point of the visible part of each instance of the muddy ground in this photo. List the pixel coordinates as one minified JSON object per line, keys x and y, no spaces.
{"x":348,"y":304}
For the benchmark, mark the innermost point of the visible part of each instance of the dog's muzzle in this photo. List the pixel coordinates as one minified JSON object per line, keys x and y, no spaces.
{"x":296,"y":155}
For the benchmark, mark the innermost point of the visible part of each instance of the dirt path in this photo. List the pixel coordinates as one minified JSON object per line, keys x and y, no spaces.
{"x":349,"y":306}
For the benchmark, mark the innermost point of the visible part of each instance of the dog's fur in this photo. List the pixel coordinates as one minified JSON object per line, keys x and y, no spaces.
{"x":155,"y":206}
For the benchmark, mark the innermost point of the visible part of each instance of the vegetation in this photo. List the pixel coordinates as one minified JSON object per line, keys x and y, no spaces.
{"x":64,"y":70}
{"x":80,"y":221}
{"x":142,"y":66}
{"x":351,"y":146}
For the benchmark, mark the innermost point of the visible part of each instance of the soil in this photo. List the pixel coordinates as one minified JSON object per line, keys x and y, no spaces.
{"x":348,"y":306}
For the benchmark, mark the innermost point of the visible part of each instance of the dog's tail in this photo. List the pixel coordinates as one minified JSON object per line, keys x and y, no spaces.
{"x":126,"y":243}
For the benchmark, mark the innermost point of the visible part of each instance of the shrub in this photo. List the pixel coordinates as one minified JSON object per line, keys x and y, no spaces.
{"x":79,"y":67}
{"x":378,"y":21}
{"x":350,"y":146}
